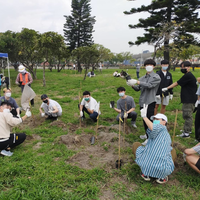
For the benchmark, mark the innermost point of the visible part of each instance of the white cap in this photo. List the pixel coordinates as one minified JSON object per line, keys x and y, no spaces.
{"x":159,"y":116}
{"x":21,"y":68}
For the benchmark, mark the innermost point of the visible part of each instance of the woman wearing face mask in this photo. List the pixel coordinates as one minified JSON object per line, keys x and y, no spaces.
{"x":188,"y":96}
{"x":148,"y":85}
{"x":7,"y":98}
{"x":155,"y":159}
{"x":166,"y":80}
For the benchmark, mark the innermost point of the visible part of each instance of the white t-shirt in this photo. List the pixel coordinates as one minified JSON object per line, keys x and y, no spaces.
{"x":92,"y":104}
{"x":52,"y":104}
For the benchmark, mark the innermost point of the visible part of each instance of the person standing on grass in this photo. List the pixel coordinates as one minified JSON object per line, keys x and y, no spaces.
{"x":188,"y":96}
{"x":51,"y":108}
{"x":8,"y":140}
{"x":100,"y":67}
{"x":125,"y":107}
{"x":166,"y":80}
{"x":138,"y":70}
{"x":90,"y":106}
{"x":155,"y":159}
{"x":24,"y":78}
{"x":148,"y":85}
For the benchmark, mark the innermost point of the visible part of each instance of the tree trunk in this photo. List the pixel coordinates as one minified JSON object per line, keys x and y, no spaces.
{"x":86,"y":69}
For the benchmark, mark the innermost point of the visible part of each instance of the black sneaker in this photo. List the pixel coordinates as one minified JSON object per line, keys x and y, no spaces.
{"x":146,"y":178}
{"x":162,"y":180}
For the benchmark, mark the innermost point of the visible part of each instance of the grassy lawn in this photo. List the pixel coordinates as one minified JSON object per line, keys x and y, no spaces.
{"x":58,"y":162}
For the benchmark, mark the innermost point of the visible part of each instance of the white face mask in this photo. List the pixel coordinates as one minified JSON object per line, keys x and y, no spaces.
{"x":6,"y":110}
{"x":149,"y":68}
{"x":8,"y":94}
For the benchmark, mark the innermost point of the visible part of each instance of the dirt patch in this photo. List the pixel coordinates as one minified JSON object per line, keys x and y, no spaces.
{"x":103,"y":153}
{"x":76,"y":98}
{"x":59,"y":124}
{"x":116,"y":128}
{"x":37,"y":146}
{"x":33,"y":137}
{"x":107,"y":194}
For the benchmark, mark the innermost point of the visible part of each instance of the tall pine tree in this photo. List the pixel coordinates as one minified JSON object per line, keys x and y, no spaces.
{"x":163,"y":12}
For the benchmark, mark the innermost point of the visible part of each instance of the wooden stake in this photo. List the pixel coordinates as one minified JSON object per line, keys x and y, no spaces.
{"x":79,"y":96}
{"x":119,"y":142}
{"x":174,"y":127}
{"x":97,"y":123}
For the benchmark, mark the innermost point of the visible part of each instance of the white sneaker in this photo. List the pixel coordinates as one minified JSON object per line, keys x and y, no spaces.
{"x":133,"y":124}
{"x":145,"y":142}
{"x":143,"y":136}
{"x":184,"y":135}
{"x":6,"y":153}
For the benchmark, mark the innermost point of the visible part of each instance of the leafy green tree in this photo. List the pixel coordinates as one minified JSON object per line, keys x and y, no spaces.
{"x":164,"y":12}
{"x":78,"y":28}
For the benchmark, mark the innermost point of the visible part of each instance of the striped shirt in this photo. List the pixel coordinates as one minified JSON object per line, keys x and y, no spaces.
{"x":155,"y":158}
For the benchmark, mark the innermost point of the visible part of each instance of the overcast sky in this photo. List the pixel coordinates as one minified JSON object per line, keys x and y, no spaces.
{"x":111,"y":27}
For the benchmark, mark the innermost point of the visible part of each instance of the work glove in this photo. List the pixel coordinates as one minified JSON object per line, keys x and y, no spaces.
{"x":125,"y":115}
{"x":42,"y":114}
{"x":112,"y":104}
{"x":158,"y":97}
{"x":164,"y":90}
{"x":143,"y":111}
{"x":196,"y":105}
{"x":171,"y":96}
{"x":87,"y":105}
{"x":131,"y":82}
{"x":28,"y":113}
{"x":81,"y":113}
{"x":51,"y":111}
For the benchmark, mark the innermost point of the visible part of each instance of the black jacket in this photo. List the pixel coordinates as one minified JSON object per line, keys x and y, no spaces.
{"x":165,"y":82}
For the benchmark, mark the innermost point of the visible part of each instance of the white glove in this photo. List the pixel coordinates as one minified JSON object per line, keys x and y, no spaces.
{"x":18,"y":115}
{"x":81,"y":113}
{"x":143,"y":111}
{"x":171,"y":96}
{"x":28,"y":113}
{"x":42,"y":114}
{"x":131,"y":82}
{"x":196,"y":104}
{"x":125,"y":115}
{"x":184,"y":157}
{"x":87,"y":105}
{"x":158,"y":97}
{"x":164,"y":89}
{"x":50,"y":111}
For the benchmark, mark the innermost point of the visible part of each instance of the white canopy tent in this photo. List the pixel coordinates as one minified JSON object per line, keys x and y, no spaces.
{"x":5,"y":55}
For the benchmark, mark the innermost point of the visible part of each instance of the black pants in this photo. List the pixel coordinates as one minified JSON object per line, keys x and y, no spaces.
{"x":93,"y":116}
{"x":132,"y":115}
{"x":150,"y":112}
{"x":32,"y":100}
{"x":14,"y":140}
{"x":14,"y":112}
{"x":197,"y":124}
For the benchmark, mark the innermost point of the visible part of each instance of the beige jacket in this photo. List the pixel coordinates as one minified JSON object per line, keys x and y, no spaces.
{"x":6,"y":122}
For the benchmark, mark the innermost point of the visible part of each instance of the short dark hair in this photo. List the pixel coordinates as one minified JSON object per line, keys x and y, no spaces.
{"x":187,"y":64}
{"x":86,"y":93}
{"x":149,"y":62}
{"x":164,"y":62}
{"x":121,"y":89}
{"x":6,"y":103}
{"x":44,"y":96}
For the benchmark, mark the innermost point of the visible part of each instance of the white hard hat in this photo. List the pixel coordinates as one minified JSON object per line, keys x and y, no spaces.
{"x":21,"y":68}
{"x":159,"y":116}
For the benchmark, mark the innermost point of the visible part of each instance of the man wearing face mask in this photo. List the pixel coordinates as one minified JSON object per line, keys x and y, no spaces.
{"x":51,"y":108}
{"x":7,"y":98}
{"x":8,"y":140}
{"x":24,"y":78}
{"x":148,"y":85}
{"x":125,"y":107}
{"x":188,"y":96}
{"x":166,"y":80}
{"x":89,"y":105}
{"x":156,"y":158}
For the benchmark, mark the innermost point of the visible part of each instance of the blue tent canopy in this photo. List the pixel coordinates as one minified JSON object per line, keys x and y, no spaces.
{"x":3,"y":55}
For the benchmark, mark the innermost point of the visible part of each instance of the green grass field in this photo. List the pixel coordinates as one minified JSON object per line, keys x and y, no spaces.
{"x":57,"y":162}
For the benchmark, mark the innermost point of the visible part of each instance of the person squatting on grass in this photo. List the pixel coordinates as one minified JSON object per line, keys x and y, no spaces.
{"x":155,"y":159}
{"x":166,"y":80}
{"x":148,"y":85}
{"x":88,"y":105}
{"x":14,"y":108}
{"x":192,"y":159}
{"x":51,"y":108}
{"x":24,"y":78}
{"x":125,"y":107}
{"x":188,"y":96}
{"x":8,"y":140}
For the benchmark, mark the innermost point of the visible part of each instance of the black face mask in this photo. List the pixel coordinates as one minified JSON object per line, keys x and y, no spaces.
{"x":184,"y":71}
{"x":45,"y":101}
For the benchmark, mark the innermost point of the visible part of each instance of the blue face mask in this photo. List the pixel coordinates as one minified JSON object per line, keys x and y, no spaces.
{"x":121,"y":94}
{"x":164,"y":68}
{"x":156,"y":122}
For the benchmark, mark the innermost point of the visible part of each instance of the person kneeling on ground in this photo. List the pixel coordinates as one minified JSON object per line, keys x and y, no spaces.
{"x":155,"y":159}
{"x":89,"y":105}
{"x":192,"y":159}
{"x":51,"y":108}
{"x":125,"y":107}
{"x":8,"y":140}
